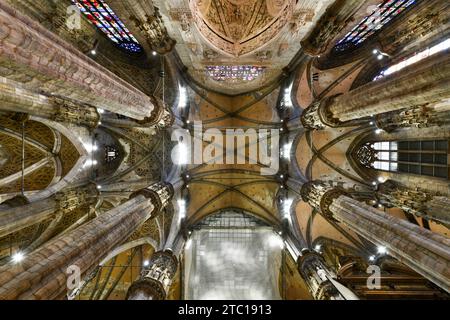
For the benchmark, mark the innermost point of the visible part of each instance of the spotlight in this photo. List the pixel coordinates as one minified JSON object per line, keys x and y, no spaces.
{"x":374,"y":183}
{"x":318,"y":247}
{"x":381,"y":179}
{"x":382,"y":250}
{"x":372,"y":258}
{"x":375,"y":51}
{"x":99,"y":187}
{"x":93,"y":52}
{"x":154,"y":53}
{"x":18,"y":257}
{"x":146,"y":263}
{"x":378,"y":131}
{"x":380,"y":57}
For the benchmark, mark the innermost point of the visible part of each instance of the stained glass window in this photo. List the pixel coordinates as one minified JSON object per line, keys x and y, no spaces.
{"x":242,"y":73}
{"x":101,"y":15}
{"x":384,"y":13}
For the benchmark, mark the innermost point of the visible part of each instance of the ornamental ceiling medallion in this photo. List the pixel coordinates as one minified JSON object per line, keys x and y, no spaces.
{"x":240,"y":27}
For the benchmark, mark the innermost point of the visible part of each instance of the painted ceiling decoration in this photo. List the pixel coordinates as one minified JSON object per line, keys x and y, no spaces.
{"x":104,"y":18}
{"x":234,"y":73}
{"x":384,"y":13}
{"x":239,"y":27}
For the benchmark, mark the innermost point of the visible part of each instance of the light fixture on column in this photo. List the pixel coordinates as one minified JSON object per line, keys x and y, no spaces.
{"x":146,"y":263}
{"x":382,"y":250}
{"x":381,"y":179}
{"x":94,"y":48}
{"x":18,"y":257}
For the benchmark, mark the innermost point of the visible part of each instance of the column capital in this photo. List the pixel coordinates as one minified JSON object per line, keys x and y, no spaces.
{"x":156,"y":279}
{"x":314,"y":270}
{"x":317,"y":115}
{"x":160,"y":194}
{"x":320,"y":195}
{"x":73,"y":112}
{"x":418,"y":117}
{"x":161,"y":116}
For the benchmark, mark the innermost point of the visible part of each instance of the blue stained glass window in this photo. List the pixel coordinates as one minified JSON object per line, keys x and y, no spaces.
{"x":384,"y":13}
{"x":102,"y":16}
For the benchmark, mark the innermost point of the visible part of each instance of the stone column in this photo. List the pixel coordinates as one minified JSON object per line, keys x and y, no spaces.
{"x":44,"y":273}
{"x":316,"y":274}
{"x":156,"y":278}
{"x":54,"y":66}
{"x":425,"y":252}
{"x":416,"y":201}
{"x":15,"y":216}
{"x":423,"y":83}
{"x":14,"y":97}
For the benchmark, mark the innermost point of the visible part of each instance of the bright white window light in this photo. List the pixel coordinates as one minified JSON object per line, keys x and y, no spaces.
{"x":287,"y":207}
{"x":275,"y":241}
{"x":414,"y":59}
{"x":182,"y":103}
{"x":286,"y":151}
{"x":18,"y":257}
{"x":90,"y":147}
{"x":182,"y":155}
{"x":287,"y":102}
{"x":188,"y":244}
{"x":182,"y":208}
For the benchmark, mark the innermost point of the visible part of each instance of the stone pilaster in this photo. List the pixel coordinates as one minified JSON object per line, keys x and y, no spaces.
{"x":156,"y":278}
{"x":43,"y":274}
{"x":426,"y":252}
{"x":316,"y":274}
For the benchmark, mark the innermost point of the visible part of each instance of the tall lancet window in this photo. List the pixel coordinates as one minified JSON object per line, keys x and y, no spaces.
{"x":428,"y":157}
{"x":377,"y":19}
{"x":101,"y":15}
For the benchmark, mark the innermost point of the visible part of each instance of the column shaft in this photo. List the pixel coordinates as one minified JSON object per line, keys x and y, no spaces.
{"x":42,"y":275}
{"x":425,"y":252}
{"x":423,"y":83}
{"x":58,"y":68}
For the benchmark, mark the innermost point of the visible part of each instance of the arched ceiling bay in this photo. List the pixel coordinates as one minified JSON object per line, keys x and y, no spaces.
{"x":258,"y":33}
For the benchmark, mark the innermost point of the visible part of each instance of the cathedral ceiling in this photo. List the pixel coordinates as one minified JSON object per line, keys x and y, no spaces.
{"x":256,"y":33}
